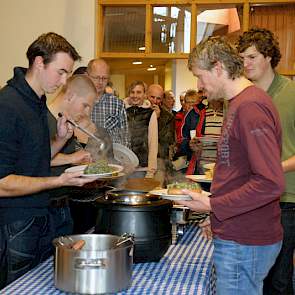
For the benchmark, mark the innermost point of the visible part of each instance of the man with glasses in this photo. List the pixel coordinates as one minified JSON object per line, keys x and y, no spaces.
{"x":108,"y":111}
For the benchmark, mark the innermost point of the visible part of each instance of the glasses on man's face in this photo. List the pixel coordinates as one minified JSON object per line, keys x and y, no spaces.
{"x":101,"y":79}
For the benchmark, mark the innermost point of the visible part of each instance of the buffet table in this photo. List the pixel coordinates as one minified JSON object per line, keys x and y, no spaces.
{"x":186,"y":268}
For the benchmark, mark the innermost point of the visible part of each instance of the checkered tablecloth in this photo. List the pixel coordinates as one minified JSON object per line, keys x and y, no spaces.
{"x":186,"y":268}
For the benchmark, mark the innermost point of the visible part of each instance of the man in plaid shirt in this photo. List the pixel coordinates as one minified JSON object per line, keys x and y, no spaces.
{"x":108,"y":111}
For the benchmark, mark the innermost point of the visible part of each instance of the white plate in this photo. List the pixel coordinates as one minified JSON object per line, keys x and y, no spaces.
{"x":208,"y":139}
{"x":209,"y":166}
{"x":117,"y":169}
{"x":124,"y":155}
{"x":199,"y":178}
{"x":76,"y":168}
{"x":164,"y":195}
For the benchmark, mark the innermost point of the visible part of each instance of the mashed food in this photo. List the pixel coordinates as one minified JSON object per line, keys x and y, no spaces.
{"x":99,"y":167}
{"x":177,"y":187}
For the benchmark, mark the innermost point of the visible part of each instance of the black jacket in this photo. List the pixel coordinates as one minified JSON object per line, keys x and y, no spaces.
{"x":24,"y":145}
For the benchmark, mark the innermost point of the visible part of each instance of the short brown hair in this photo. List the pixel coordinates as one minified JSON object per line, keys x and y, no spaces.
{"x":191,"y":94}
{"x":80,"y":84}
{"x":264,"y":42}
{"x":47,"y":45}
{"x":135,"y":83}
{"x":214,"y":49}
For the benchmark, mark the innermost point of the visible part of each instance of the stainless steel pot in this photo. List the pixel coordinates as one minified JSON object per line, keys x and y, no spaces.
{"x":103,"y":265}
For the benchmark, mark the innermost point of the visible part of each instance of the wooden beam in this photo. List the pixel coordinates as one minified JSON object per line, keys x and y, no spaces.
{"x":148,"y":28}
{"x":99,"y":30}
{"x":184,"y":2}
{"x":246,"y":10}
{"x":143,"y":55}
{"x":194,"y":14}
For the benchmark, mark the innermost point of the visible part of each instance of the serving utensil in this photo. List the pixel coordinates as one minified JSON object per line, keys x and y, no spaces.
{"x":102,"y":145}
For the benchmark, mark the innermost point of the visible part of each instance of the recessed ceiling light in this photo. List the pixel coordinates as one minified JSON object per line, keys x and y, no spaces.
{"x":137,"y":62}
{"x":141,"y":48}
{"x":151,"y":69}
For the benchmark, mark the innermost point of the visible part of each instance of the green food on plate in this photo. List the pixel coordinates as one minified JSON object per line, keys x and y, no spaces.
{"x":184,"y":185}
{"x":99,"y":167}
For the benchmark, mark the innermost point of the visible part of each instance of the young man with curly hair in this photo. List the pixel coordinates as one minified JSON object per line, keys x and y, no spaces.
{"x":261,"y":54}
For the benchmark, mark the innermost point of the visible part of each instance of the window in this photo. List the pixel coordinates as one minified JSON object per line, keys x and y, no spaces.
{"x":124,"y":28}
{"x":221,"y":20}
{"x":171,"y":29}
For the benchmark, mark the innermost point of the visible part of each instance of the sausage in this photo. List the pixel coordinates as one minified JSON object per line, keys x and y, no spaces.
{"x":78,"y":245}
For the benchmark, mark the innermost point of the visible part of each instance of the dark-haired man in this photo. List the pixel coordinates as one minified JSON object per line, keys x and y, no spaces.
{"x":247,"y":182}
{"x":26,"y":230}
{"x":261,"y":53}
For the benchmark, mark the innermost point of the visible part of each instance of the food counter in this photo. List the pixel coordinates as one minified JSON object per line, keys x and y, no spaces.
{"x":186,"y":268}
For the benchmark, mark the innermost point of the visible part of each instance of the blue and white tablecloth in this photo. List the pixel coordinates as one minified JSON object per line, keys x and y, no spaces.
{"x":186,"y":268}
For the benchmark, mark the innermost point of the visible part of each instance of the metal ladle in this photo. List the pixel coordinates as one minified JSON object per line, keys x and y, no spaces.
{"x":102,"y":145}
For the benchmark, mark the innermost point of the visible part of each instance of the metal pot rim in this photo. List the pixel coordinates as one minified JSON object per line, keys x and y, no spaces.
{"x":72,"y":238}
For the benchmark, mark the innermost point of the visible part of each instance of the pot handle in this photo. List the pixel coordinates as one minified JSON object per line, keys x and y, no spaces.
{"x":81,"y":263}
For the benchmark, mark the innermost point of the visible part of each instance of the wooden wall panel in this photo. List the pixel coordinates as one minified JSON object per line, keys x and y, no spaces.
{"x":280,"y":20}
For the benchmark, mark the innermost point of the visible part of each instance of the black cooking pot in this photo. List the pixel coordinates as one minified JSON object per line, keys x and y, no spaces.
{"x":145,"y":216}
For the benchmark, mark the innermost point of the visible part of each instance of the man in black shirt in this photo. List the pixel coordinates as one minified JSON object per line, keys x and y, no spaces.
{"x":26,"y":229}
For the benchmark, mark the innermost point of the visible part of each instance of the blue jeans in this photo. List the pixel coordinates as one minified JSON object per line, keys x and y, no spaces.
{"x":23,"y":245}
{"x":279,"y":279}
{"x":62,"y":221}
{"x":240,"y":269}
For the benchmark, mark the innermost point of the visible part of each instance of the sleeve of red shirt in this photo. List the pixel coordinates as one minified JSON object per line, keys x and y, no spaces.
{"x":255,"y":127}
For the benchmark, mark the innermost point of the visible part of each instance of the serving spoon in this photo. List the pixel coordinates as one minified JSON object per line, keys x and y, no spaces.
{"x":101,"y":143}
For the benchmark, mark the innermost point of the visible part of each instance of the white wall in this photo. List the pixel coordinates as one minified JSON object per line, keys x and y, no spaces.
{"x":22,"y":21}
{"x":119,"y":84}
{"x":183,"y":79}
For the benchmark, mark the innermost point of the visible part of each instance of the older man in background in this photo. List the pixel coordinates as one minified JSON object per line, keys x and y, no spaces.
{"x":108,"y":111}
{"x":169,"y":101}
{"x":166,"y":130}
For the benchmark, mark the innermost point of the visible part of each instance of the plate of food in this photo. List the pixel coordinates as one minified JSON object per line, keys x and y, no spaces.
{"x":99,"y":169}
{"x":208,"y":139}
{"x":124,"y":155}
{"x":174,"y":192}
{"x":199,"y":178}
{"x":209,"y":166}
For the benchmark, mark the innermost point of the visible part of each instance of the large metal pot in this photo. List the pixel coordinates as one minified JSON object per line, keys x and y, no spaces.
{"x":145,"y":216}
{"x":102,"y":266}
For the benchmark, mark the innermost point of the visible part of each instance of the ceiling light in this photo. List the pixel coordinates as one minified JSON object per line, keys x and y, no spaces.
{"x":137,"y":62}
{"x":141,"y":48}
{"x":151,"y":69}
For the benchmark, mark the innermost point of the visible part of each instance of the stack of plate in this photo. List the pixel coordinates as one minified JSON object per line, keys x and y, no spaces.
{"x":125,"y":156}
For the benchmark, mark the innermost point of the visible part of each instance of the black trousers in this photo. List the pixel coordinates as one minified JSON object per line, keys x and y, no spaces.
{"x":280,"y":278}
